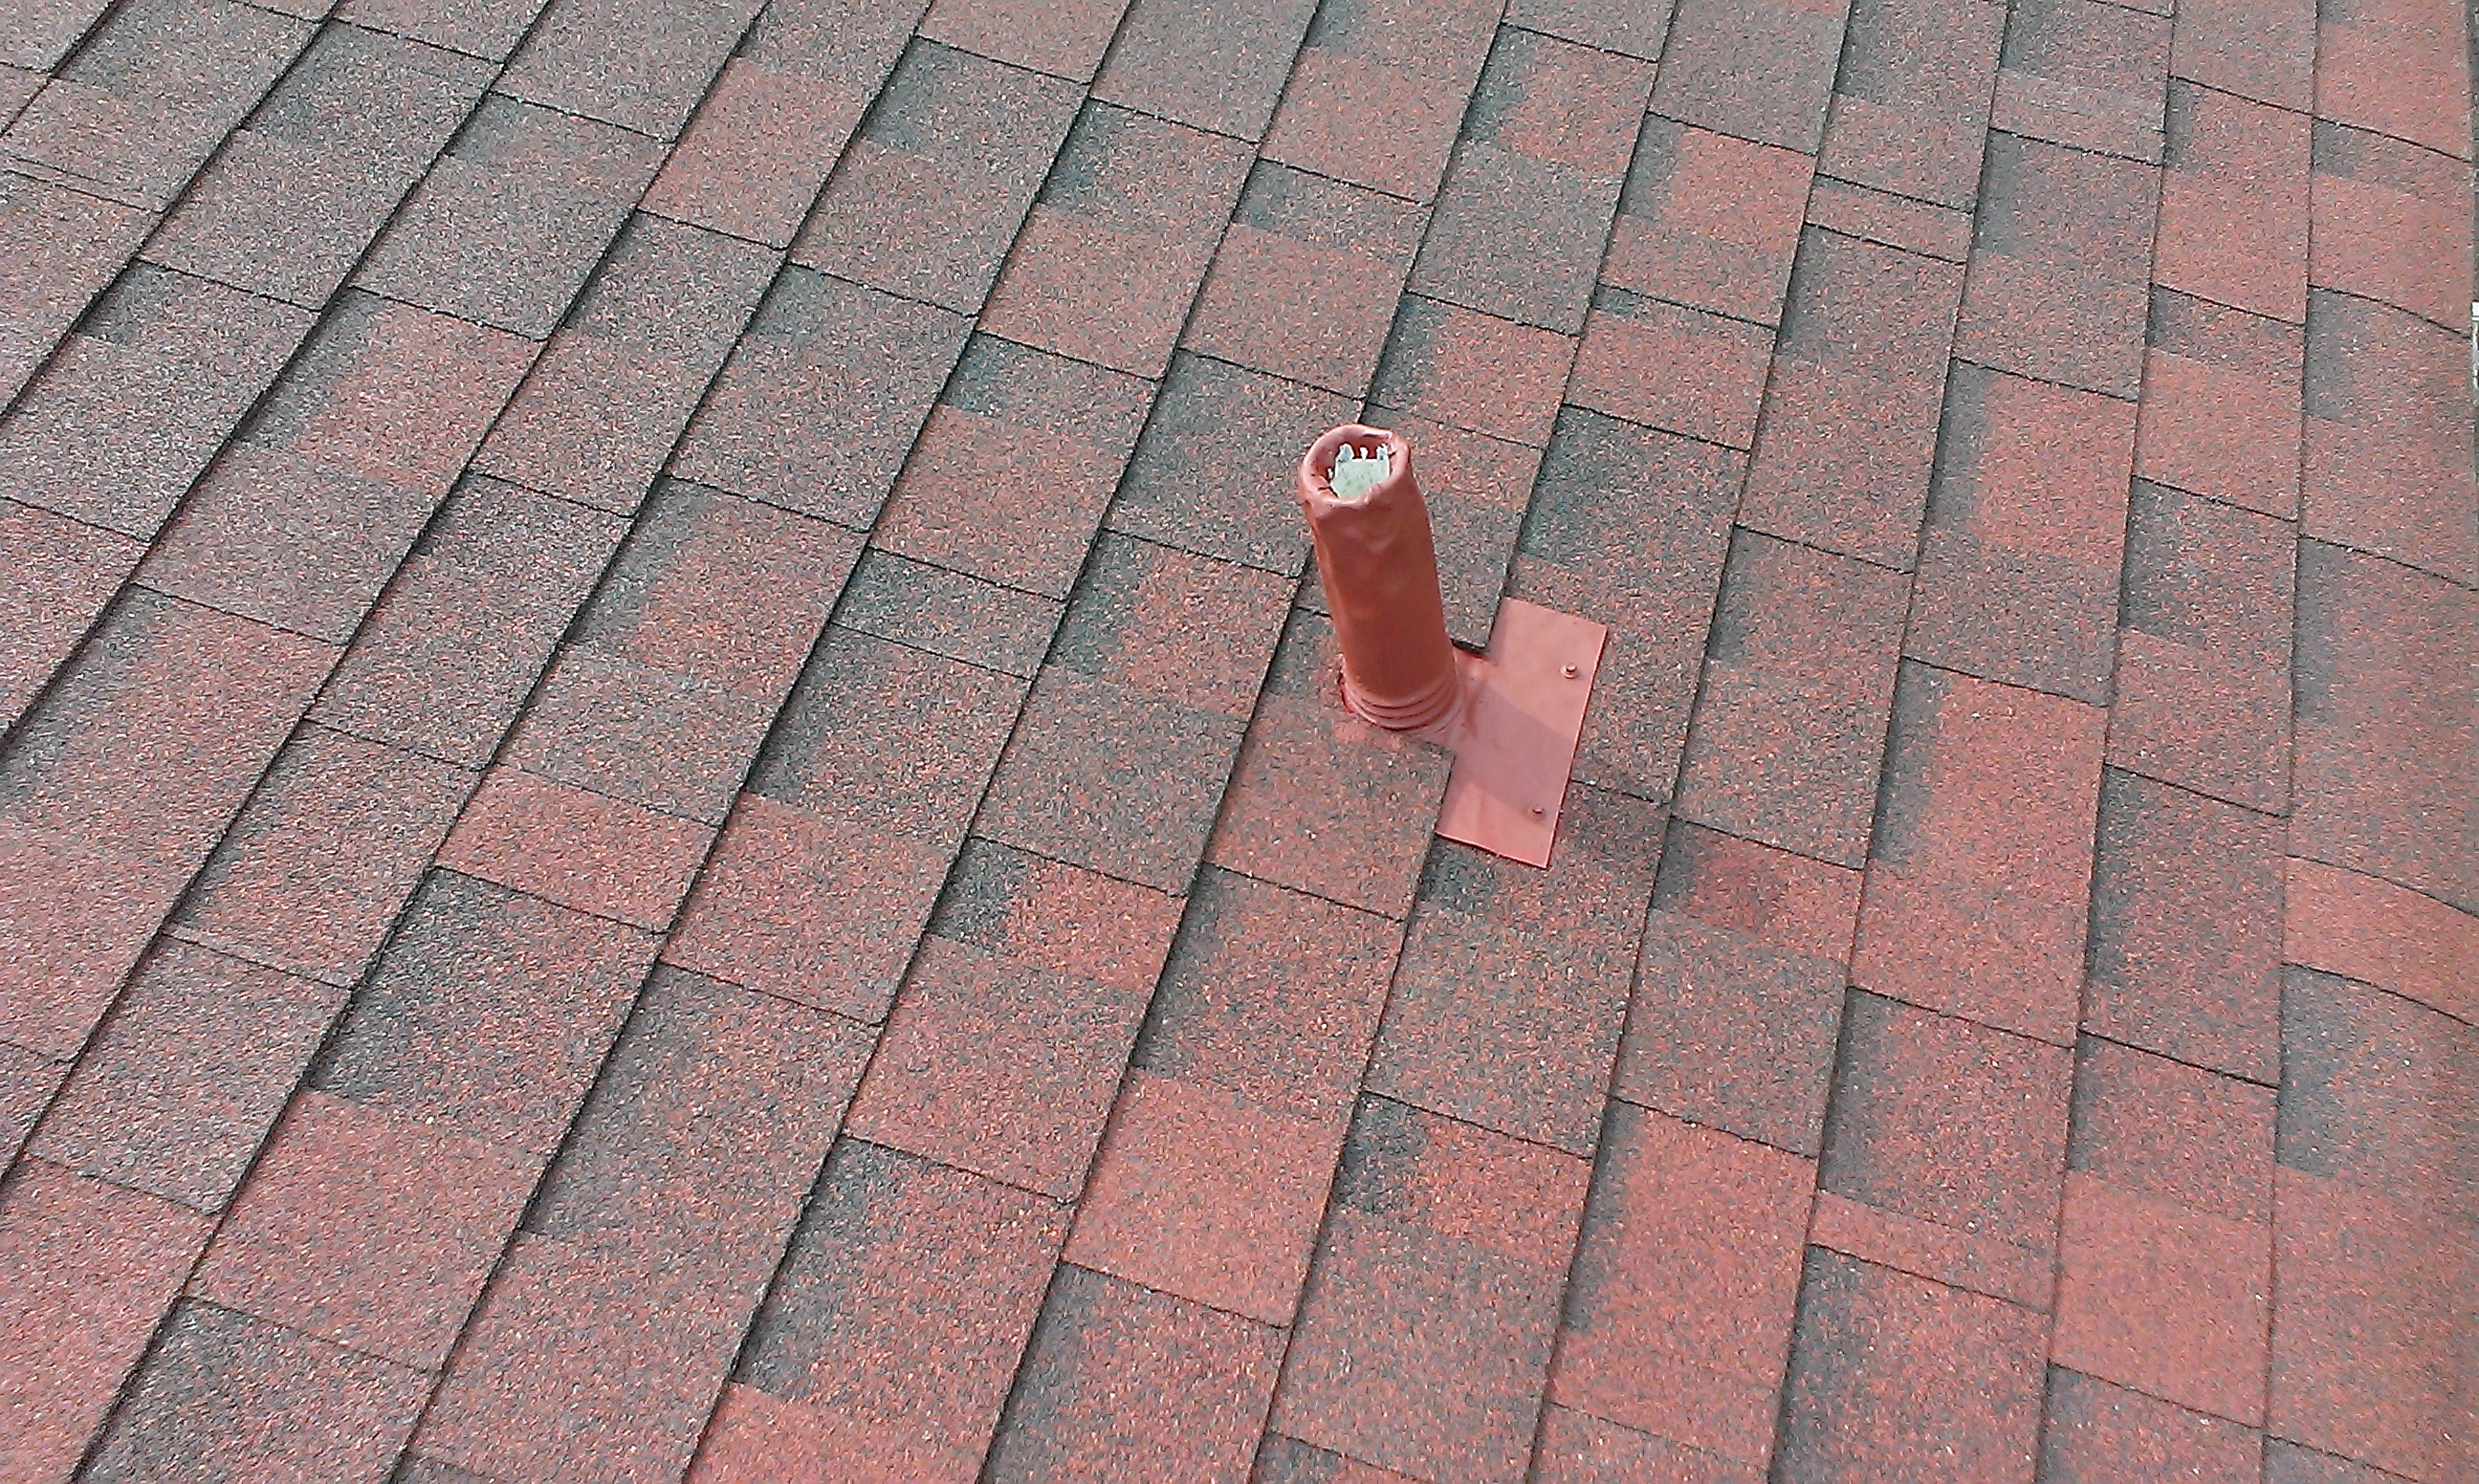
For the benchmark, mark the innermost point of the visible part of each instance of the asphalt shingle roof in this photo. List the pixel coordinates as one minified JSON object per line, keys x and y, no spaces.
{"x":672,"y":802}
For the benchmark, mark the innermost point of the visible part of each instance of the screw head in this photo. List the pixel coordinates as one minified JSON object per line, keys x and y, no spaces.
{"x":1538,"y":810}
{"x":1569,"y":671}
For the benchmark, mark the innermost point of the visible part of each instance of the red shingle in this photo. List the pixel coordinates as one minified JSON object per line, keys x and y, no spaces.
{"x":1002,"y":1068}
{"x":1941,"y":1121}
{"x":596,"y":416}
{"x":27,"y":1081}
{"x":2388,"y":67}
{"x":1475,"y":371}
{"x":577,"y":848}
{"x":1982,"y":860}
{"x":1851,"y":417}
{"x":857,"y":772}
{"x":1409,"y":63}
{"x":1629,"y":528}
{"x":115,"y":787}
{"x":311,"y":874}
{"x":1519,"y":225}
{"x":2185,"y":921}
{"x":489,"y":1015}
{"x":1058,"y":917}
{"x":2018,"y":576}
{"x":1064,"y":37}
{"x":1894,"y":1377}
{"x":2383,"y":934}
{"x":97,"y":1266}
{"x":1506,"y":1006}
{"x":1119,"y":1377}
{"x":1682,"y":371}
{"x":1216,"y":66}
{"x":1425,"y":1339}
{"x":1798,"y":671}
{"x":364,"y":1227}
{"x":583,"y":57}
{"x":2386,"y":724}
{"x":587,"y":1359}
{"x":1304,"y":279}
{"x":1739,"y":988}
{"x":1321,"y":801}
{"x":707,"y":1123}
{"x":1105,"y":776}
{"x":445,"y":661}
{"x":780,"y":908}
{"x":2259,"y":49}
{"x":1678,"y":1319}
{"x":2365,"y":1328}
{"x":2392,"y":223}
{"x":294,"y":197}
{"x":150,"y":93}
{"x":759,"y":148}
{"x":2202,"y":662}
{"x":61,"y":246}
{"x":1613,"y":25}
{"x":484,"y":28}
{"x":185,"y":1081}
{"x":42,"y":33}
{"x":1215,"y":1176}
{"x":1118,"y":241}
{"x":2234,"y":204}
{"x":823,"y":394}
{"x":829,"y":486}
{"x":2060,"y":257}
{"x":304,"y":521}
{"x":1577,"y":1447}
{"x":517,"y":174}
{"x":227,"y":1392}
{"x":1891,"y":221}
{"x":1708,"y":220}
{"x":2388,"y":441}
{"x":2096,"y":1431}
{"x":934,"y":186}
{"x":2084,"y":73}
{"x":2147,"y":1124}
{"x":613,"y":1323}
{"x":1208,"y":1194}
{"x":136,"y":403}
{"x":892,"y":1333}
{"x":2221,"y":400}
{"x":1015,"y":466}
{"x":1910,"y":104}
{"x":2165,"y":1299}
{"x":69,"y":574}
{"x":2378,"y":1095}
{"x":670,"y":676}
{"x":1762,"y":69}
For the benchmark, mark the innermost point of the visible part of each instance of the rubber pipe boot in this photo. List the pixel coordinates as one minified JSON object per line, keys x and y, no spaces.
{"x":1380,"y":567}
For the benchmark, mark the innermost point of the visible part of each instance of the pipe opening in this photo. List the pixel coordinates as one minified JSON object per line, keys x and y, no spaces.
{"x":1358,"y":470}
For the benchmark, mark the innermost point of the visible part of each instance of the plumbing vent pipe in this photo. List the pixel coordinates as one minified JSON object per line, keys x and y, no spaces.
{"x":1373,"y":548}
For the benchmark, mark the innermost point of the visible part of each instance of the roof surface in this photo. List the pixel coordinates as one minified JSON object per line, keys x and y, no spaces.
{"x":672,"y":802}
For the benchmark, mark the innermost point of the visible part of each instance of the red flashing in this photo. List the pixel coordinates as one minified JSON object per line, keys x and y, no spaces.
{"x":1515,"y":742}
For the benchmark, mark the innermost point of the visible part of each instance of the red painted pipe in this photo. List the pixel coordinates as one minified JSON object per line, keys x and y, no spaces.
{"x":1381,"y":584}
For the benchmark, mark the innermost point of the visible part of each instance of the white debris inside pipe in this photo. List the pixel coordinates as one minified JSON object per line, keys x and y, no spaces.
{"x":1358,"y":470}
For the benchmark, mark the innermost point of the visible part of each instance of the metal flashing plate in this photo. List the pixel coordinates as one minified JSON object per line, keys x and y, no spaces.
{"x":1515,"y":742}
